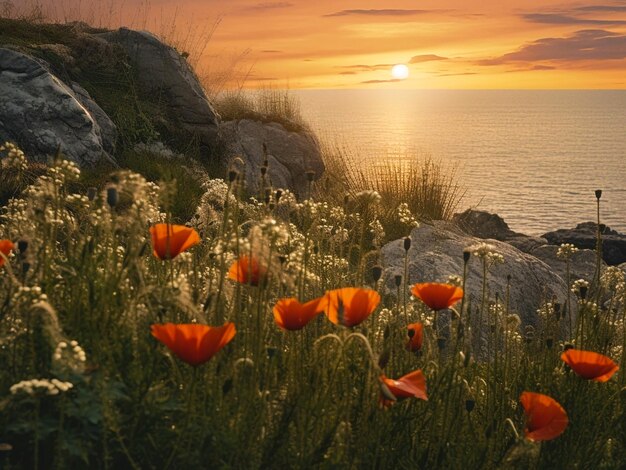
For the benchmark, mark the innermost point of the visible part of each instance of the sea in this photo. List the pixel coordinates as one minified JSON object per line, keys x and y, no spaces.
{"x":533,"y":157}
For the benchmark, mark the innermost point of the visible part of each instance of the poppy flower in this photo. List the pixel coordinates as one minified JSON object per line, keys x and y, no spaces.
{"x":6,"y":247}
{"x":168,"y":241}
{"x":410,"y":385}
{"x":545,"y":417}
{"x":248,"y":270}
{"x":590,"y":365}
{"x":193,"y":343}
{"x":416,"y":337}
{"x":289,"y":314}
{"x":350,"y":306}
{"x":437,"y":296}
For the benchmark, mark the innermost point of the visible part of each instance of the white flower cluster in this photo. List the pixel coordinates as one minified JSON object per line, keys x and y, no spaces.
{"x":406,"y":216}
{"x":63,"y":171}
{"x":565,"y":251}
{"x":454,"y":280}
{"x":378,"y":232}
{"x":578,"y":284}
{"x":486,"y":252}
{"x":15,"y":157}
{"x":612,"y":277}
{"x":74,"y":350}
{"x":25,"y":294}
{"x":33,"y":386}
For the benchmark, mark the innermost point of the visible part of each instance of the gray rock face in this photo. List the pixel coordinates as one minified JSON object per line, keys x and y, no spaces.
{"x":40,"y":113}
{"x":290,"y":154}
{"x":584,"y":236}
{"x":482,"y":224}
{"x":582,"y":264}
{"x":105,"y":128}
{"x":162,"y":70}
{"x":437,"y":251}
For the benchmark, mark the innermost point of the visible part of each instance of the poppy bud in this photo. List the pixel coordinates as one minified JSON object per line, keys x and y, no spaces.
{"x":466,"y":362}
{"x":282,"y":259}
{"x":22,"y":246}
{"x":598,"y":193}
{"x":263,"y":170}
{"x":112,"y":197}
{"x":398,"y":279}
{"x":25,"y":267}
{"x":271,"y":352}
{"x":268,"y":196}
{"x":91,"y":193}
{"x":466,"y":256}
{"x":460,"y":332}
{"x":386,"y":332}
{"x":410,"y":332}
{"x":469,"y":405}
{"x":557,"y":310}
{"x":377,"y":272}
{"x":508,"y":278}
{"x":232,"y":175}
{"x":278,"y":194}
{"x":407,"y":243}
{"x":346,"y":199}
{"x":441,"y":343}
{"x":383,"y":359}
{"x":549,"y":343}
{"x":583,"y":292}
{"x":310,"y":175}
{"x":227,"y":386}
{"x":271,"y":206}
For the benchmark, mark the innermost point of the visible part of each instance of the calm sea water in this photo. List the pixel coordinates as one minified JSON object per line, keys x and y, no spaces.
{"x":534,"y":157}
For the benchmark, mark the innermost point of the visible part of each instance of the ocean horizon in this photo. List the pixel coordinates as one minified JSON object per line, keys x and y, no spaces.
{"x":535,"y":157}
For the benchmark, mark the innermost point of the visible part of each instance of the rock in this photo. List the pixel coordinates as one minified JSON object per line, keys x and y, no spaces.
{"x":482,"y":224}
{"x":584,"y":236}
{"x":40,"y":113}
{"x":582,"y":263}
{"x":161,"y":70}
{"x":437,"y":251}
{"x":105,"y":127}
{"x":290,"y":154}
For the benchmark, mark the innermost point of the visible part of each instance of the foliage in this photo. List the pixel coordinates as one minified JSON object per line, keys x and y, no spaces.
{"x":80,"y":293}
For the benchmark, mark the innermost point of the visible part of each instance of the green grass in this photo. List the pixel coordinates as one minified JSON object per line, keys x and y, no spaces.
{"x":270,"y":398}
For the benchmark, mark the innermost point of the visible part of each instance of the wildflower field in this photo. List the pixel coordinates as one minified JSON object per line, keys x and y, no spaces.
{"x":265,"y":333}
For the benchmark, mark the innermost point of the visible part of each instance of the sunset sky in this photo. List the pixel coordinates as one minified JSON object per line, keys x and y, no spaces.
{"x":445,"y":43}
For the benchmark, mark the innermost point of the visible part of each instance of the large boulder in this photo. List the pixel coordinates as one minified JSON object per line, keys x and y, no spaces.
{"x":437,"y":252}
{"x":290,"y":154}
{"x":482,"y":224}
{"x":163,"y":71}
{"x":41,"y":114}
{"x":585,"y":235}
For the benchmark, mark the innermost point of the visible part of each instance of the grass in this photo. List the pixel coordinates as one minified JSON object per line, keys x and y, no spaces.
{"x":416,"y":188}
{"x":265,"y":104}
{"x":270,"y":398}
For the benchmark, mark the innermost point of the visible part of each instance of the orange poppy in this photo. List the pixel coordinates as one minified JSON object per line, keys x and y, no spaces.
{"x":416,"y":337}
{"x":6,"y":247}
{"x":193,"y":343}
{"x":437,"y":296}
{"x":410,"y":385}
{"x":289,"y":314}
{"x":248,"y":270}
{"x":168,"y":241}
{"x":590,"y":365}
{"x":545,"y":417}
{"x":350,"y":306}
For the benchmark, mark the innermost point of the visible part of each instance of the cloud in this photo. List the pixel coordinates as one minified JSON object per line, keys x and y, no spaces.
{"x":382,"y":12}
{"x":609,"y":8}
{"x":425,"y":58}
{"x":348,"y":73}
{"x":367,"y":68}
{"x":382,"y":81}
{"x":269,"y":6}
{"x":456,"y":74}
{"x":271,"y":51}
{"x":533,"y":68}
{"x":551,"y":18}
{"x":588,"y":44}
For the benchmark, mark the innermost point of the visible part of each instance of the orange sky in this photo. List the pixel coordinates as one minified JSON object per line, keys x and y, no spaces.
{"x":353,"y":44}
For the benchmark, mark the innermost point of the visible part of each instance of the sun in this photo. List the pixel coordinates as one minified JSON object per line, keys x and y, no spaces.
{"x":400,"y":72}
